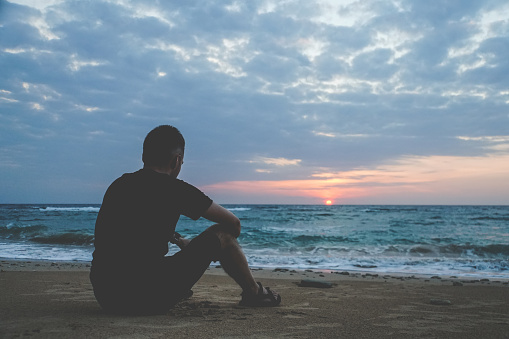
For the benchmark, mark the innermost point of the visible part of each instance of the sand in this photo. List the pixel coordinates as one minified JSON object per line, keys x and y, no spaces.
{"x":55,"y":300}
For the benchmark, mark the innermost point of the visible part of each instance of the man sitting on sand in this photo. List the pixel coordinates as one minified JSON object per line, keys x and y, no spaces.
{"x":130,"y":270}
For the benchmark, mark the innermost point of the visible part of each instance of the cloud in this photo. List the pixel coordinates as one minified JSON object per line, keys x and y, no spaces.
{"x":277,"y":161}
{"x":311,"y":85}
{"x":494,"y":138}
{"x":336,"y":135}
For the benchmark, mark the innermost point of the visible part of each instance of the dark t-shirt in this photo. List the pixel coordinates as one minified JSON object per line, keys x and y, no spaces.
{"x":138,"y":216}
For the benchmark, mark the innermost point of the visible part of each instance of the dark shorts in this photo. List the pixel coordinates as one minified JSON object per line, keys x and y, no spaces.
{"x":154,"y":289}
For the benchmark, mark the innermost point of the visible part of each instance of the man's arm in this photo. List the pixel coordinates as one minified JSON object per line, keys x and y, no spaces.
{"x":218,"y":214}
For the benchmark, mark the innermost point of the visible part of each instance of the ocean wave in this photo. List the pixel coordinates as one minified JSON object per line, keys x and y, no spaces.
{"x":496,"y":249}
{"x":69,"y":209}
{"x":438,"y":239}
{"x":342,"y":247}
{"x":301,"y":240}
{"x":40,"y":234}
{"x":389,"y":209}
{"x":65,"y":239}
{"x":382,"y":264}
{"x":30,"y":250}
{"x":21,"y":232}
{"x":488,"y":251}
{"x":325,"y":215}
{"x":497,"y":218}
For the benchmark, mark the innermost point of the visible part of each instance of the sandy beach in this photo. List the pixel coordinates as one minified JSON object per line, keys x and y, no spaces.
{"x":55,"y":300}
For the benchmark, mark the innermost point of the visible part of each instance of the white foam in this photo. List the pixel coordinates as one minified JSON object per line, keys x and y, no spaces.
{"x":239,"y":209}
{"x":44,"y":252}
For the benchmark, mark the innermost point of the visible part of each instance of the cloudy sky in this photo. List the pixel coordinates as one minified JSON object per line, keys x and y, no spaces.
{"x":358,"y":102}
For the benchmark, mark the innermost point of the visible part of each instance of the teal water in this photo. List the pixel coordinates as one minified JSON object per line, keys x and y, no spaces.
{"x":456,"y":240}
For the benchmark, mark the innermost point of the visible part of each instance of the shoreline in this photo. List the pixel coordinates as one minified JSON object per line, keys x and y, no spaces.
{"x":55,"y":300}
{"x":56,"y":265}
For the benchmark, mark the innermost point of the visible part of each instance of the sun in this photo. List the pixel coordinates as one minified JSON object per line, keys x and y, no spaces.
{"x":328,"y":202}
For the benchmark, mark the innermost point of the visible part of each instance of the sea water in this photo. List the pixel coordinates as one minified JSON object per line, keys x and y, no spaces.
{"x":443,"y":240}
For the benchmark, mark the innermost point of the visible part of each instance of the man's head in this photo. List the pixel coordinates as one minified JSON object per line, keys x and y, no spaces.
{"x":162,"y":145}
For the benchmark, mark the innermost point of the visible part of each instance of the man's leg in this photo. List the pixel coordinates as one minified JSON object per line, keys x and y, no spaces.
{"x":217,"y":245}
{"x":234,"y":261}
{"x":235,"y":264}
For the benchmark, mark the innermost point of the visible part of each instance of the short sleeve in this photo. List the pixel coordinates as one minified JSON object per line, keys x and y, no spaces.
{"x":191,"y":201}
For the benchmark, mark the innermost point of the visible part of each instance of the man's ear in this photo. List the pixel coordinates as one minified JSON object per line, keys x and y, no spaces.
{"x":174,"y":162}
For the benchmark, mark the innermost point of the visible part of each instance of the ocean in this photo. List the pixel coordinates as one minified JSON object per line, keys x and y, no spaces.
{"x":468,"y":241}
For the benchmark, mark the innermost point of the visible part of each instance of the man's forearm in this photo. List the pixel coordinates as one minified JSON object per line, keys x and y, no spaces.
{"x":224,"y":217}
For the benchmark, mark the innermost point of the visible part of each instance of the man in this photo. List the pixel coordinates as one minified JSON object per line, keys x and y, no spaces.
{"x":130,"y":270}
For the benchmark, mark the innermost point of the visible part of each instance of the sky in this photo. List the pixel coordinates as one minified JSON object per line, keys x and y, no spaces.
{"x":280,"y":102}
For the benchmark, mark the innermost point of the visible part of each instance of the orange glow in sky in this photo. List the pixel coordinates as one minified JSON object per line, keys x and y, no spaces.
{"x":411,"y":179}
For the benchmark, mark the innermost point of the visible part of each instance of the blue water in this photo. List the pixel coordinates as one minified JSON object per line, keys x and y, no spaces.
{"x":455,"y":240}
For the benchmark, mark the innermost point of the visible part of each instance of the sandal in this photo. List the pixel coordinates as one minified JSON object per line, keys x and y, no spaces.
{"x":264,"y":298}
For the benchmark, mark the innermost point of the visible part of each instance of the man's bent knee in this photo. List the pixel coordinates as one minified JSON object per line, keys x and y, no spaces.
{"x":207,"y":242}
{"x":225,"y":238}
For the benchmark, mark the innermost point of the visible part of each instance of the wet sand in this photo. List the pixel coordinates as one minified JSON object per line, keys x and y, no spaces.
{"x":55,"y":300}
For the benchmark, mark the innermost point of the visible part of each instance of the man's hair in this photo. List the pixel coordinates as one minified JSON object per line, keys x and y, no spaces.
{"x":160,"y":144}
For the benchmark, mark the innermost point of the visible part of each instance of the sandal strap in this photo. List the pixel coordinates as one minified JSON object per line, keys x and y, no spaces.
{"x":270,"y":293}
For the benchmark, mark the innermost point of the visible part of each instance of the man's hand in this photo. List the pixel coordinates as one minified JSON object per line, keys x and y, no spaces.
{"x":182,"y":242}
{"x":179,"y":241}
